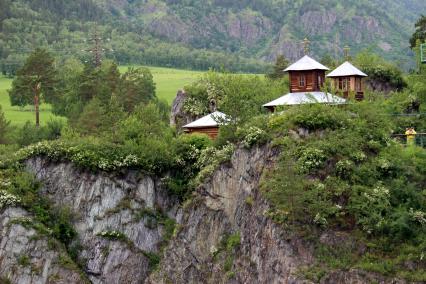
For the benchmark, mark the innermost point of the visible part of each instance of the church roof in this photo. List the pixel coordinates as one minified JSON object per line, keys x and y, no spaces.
{"x":306,"y":63}
{"x":211,"y":120}
{"x":306,"y":98}
{"x":346,"y":69}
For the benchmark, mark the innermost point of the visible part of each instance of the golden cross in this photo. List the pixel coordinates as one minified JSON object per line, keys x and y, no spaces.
{"x":306,"y":43}
{"x":346,"y":50}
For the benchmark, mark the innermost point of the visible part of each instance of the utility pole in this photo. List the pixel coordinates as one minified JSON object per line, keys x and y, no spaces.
{"x":97,"y":49}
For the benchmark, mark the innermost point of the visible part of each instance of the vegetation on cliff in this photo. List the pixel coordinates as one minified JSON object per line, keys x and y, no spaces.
{"x":339,"y":167}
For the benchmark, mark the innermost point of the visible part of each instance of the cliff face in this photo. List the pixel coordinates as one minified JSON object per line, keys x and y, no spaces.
{"x":231,"y":204}
{"x":101,"y":203}
{"x":26,"y":256}
{"x":224,"y":235}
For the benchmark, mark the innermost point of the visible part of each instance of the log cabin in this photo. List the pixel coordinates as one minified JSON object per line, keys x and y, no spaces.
{"x":307,"y":78}
{"x":347,"y":79}
{"x":208,"y":124}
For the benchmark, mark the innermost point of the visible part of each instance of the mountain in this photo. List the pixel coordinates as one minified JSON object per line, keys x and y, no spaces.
{"x":201,"y":34}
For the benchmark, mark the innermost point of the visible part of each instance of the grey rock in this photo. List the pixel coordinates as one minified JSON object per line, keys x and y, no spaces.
{"x":102,"y":202}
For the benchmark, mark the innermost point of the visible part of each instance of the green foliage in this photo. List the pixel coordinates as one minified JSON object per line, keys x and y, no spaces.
{"x":38,"y":70}
{"x":4,"y":127}
{"x":281,"y":63}
{"x":312,"y":117}
{"x":153,"y":259}
{"x":345,"y":173}
{"x":381,"y":74}
{"x":420,"y":32}
{"x":210,"y":159}
{"x":24,"y":260}
{"x":136,"y":87}
{"x":30,"y":134}
{"x":187,"y":151}
{"x":240,"y":97}
{"x":138,"y":34}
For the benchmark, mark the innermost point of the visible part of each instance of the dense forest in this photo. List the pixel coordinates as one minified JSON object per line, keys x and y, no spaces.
{"x":205,"y":34}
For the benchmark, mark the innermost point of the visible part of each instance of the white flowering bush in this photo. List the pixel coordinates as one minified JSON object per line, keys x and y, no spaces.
{"x":194,"y":107}
{"x":344,"y":168}
{"x":7,"y":199}
{"x":210,"y":158}
{"x":320,"y":220}
{"x":311,"y":159}
{"x":253,"y":135}
{"x":4,"y":183}
{"x":112,"y":235}
{"x":102,"y":157}
{"x":418,"y":216}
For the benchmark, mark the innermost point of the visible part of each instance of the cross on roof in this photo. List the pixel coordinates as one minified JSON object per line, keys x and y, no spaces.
{"x":306,"y":44}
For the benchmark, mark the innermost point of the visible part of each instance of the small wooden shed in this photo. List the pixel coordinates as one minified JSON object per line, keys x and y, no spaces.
{"x":208,"y":124}
{"x":348,"y":79}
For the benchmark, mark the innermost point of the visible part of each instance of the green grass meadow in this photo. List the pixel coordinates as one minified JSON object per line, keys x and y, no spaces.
{"x":168,"y":82}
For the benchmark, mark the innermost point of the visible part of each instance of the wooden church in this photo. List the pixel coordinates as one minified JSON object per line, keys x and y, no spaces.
{"x":347,"y":79}
{"x":307,"y":79}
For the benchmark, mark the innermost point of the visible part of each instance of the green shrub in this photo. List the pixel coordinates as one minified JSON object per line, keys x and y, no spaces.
{"x":24,"y":260}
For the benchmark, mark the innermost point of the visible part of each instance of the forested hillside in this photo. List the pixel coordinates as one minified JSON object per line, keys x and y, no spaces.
{"x":207,"y":33}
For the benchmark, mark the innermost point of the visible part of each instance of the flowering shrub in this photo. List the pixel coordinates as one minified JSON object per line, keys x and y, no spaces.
{"x":210,"y":159}
{"x":320,"y":220}
{"x":7,"y":199}
{"x":311,"y":159}
{"x":253,"y":135}
{"x":418,"y":216}
{"x":112,"y":235}
{"x":344,"y":168}
{"x":103,"y":157}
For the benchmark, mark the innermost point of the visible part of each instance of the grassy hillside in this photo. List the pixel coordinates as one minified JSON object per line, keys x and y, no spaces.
{"x":168,"y":82}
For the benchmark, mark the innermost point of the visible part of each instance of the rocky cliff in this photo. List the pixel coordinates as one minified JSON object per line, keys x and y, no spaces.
{"x":222,"y":235}
{"x":230,"y":206}
{"x":120,"y":220}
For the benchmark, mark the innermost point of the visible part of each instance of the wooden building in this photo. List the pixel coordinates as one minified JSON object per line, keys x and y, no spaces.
{"x":347,"y":79}
{"x":208,"y":124}
{"x":307,"y":78}
{"x":306,"y":75}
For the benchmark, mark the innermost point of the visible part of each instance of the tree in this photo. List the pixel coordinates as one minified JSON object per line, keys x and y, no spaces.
{"x":137,"y":86}
{"x":328,"y":61}
{"x":4,"y":126}
{"x":36,"y":80}
{"x":420,"y":33}
{"x":278,"y":70}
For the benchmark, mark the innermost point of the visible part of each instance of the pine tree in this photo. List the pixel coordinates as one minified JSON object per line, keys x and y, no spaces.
{"x":278,"y":70}
{"x":35,"y":81}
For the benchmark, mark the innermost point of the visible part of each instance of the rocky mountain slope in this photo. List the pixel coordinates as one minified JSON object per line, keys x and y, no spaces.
{"x":199,"y":34}
{"x":265,"y":28}
{"x":223,"y":235}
